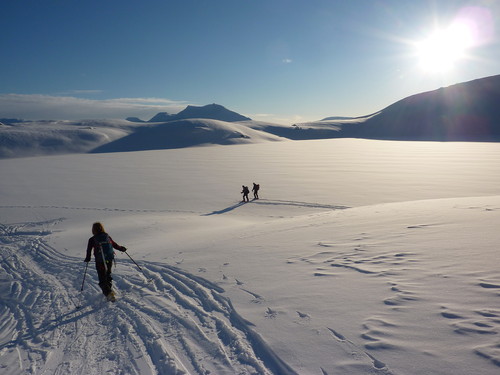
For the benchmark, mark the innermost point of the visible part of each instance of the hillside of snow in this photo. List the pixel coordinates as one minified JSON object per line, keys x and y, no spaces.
{"x":34,"y":138}
{"x":186,"y":133}
{"x":466,"y":111}
{"x":360,"y":257}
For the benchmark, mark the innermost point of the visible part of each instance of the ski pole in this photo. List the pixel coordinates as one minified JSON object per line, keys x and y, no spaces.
{"x":140,"y":269}
{"x":84,"y":274}
{"x":133,"y":261}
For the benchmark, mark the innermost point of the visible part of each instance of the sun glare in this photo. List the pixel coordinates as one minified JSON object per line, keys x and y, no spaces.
{"x":444,"y":48}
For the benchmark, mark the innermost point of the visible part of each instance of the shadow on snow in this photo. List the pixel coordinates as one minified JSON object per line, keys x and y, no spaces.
{"x":277,"y":203}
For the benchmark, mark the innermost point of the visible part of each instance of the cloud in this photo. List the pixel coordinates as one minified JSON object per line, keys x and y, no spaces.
{"x":46,"y":107}
{"x":80,"y":92}
{"x":279,"y":118}
{"x":287,"y":61}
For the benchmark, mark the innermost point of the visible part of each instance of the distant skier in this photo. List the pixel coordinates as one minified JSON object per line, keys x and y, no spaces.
{"x":255,"y":190}
{"x":245,"y":193}
{"x":103,"y":247}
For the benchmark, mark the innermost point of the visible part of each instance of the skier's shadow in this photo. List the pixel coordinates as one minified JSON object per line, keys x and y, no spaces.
{"x":225,"y":210}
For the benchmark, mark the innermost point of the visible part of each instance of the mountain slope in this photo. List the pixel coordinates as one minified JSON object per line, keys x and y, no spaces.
{"x":464,"y":112}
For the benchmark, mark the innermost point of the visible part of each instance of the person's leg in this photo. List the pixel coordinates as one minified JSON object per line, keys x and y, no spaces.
{"x":102,"y":274}
{"x":109,"y":279}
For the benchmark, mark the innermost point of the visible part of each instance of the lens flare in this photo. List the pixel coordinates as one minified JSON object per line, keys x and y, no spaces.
{"x":444,"y":48}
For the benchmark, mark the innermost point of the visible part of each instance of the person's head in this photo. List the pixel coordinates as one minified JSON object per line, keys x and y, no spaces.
{"x":97,"y":228}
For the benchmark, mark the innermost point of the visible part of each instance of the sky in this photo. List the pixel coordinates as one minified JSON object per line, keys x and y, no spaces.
{"x":283,"y":61}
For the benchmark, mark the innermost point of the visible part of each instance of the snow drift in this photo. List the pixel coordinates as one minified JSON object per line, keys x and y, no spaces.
{"x":186,"y":133}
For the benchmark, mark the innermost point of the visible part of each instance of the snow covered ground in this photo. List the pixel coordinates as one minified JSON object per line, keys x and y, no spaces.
{"x":361,"y":257}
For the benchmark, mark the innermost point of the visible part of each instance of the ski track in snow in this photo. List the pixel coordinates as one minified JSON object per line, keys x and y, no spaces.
{"x":165,"y":321}
{"x":109,"y":209}
{"x":266,"y":202}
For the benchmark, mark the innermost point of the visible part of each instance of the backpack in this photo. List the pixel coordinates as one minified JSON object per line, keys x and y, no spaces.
{"x":103,"y":246}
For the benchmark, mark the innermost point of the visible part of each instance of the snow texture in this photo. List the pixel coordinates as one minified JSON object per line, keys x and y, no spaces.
{"x":361,"y":257}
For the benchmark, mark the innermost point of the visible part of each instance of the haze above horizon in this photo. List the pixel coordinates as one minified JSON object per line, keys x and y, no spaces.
{"x":277,"y":61}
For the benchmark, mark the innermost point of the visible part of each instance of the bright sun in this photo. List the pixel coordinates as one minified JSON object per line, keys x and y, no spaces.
{"x":444,"y":48}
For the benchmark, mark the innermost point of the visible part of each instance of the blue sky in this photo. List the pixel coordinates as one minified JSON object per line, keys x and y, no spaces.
{"x":274,"y":60}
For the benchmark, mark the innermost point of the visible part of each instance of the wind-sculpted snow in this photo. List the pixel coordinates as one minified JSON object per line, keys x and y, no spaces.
{"x":103,"y":136}
{"x":58,"y":137}
{"x":187,"y":133}
{"x":166,"y":321}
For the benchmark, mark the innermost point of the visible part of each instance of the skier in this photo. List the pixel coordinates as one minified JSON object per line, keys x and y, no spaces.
{"x":245,"y":193}
{"x":103,"y":246}
{"x":255,"y":190}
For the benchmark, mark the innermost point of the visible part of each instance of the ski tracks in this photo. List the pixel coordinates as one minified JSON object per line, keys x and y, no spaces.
{"x":166,"y":321}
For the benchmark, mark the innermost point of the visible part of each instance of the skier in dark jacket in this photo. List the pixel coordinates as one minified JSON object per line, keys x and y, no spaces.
{"x":255,"y":190}
{"x":245,"y":193}
{"x":103,"y":246}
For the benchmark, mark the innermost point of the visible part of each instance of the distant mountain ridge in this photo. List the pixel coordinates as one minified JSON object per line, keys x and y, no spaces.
{"x":468,"y":111}
{"x":210,"y":111}
{"x":465,"y":112}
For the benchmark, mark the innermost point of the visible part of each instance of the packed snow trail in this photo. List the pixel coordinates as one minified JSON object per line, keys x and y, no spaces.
{"x":177,"y":323}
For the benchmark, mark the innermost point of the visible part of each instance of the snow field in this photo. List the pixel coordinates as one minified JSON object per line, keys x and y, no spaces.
{"x":362,"y":257}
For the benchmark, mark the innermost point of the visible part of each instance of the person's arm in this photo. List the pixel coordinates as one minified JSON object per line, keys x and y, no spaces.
{"x":116,"y":246}
{"x":90,"y":245}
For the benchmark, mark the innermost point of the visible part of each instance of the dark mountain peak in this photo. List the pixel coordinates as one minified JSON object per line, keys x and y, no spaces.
{"x":134,"y":119}
{"x":161,"y":117}
{"x":210,"y":111}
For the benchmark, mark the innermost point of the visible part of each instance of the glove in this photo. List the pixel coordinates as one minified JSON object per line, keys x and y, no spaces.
{"x":123,"y":249}
{"x":86,"y":260}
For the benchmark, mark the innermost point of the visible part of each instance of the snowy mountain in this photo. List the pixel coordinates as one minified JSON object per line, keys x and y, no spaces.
{"x":463,"y":112}
{"x":210,"y":111}
{"x":134,"y":119}
{"x":161,"y":117}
